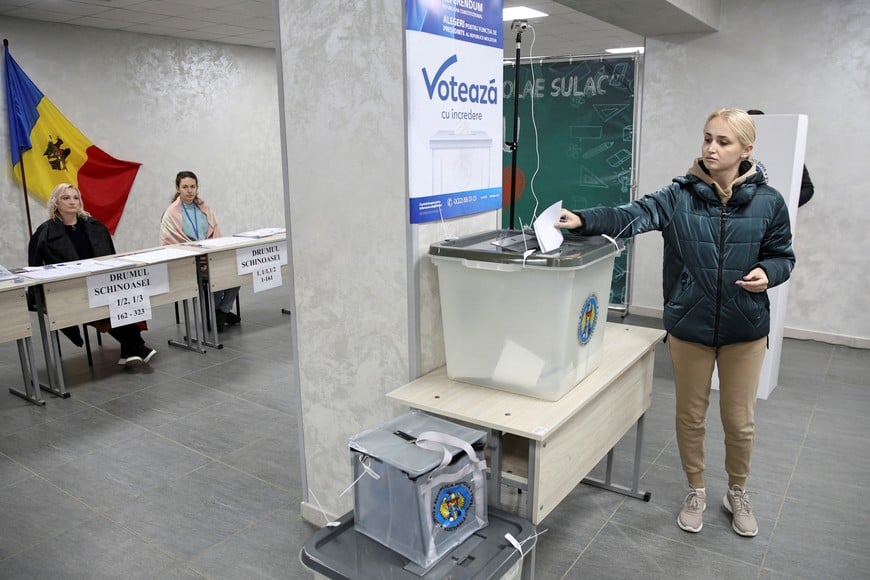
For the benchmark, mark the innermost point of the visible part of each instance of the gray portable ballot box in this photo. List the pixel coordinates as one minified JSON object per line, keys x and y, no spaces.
{"x":420,"y":485}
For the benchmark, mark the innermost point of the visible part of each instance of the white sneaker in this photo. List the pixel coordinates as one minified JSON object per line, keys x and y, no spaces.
{"x":736,"y":502}
{"x":691,"y":518}
{"x":130,"y":361}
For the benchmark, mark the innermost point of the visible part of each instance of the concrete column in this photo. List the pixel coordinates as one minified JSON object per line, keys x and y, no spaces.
{"x":365,"y":301}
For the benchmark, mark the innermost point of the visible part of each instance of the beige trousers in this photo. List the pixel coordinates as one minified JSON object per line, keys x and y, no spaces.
{"x":739,"y":370}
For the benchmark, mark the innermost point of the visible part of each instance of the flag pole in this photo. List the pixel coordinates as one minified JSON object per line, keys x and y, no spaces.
{"x":23,"y":177}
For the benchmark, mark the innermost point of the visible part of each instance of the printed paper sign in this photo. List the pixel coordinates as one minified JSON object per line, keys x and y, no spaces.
{"x":263,"y":263}
{"x":148,"y":280}
{"x":267,"y":277}
{"x":128,"y":292}
{"x":130,"y":309}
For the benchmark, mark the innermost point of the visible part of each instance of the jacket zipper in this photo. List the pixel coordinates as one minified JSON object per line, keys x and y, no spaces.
{"x":722,"y":220}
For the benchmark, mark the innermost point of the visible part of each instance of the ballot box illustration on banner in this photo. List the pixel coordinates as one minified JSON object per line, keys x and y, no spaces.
{"x":460,"y":161}
{"x":528,"y":324}
{"x":420,"y":485}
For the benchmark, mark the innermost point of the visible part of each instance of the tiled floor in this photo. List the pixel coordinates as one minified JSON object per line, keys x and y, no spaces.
{"x":189,"y":470}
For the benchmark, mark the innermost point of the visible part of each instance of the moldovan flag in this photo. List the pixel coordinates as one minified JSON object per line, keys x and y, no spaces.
{"x":49,"y":150}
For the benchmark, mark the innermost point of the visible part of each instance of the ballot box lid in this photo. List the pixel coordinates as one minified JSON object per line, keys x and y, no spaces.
{"x":511,"y":247}
{"x":394,"y":442}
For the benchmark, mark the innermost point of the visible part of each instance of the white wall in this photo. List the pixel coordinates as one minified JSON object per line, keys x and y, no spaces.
{"x":780,"y":56}
{"x":167,"y":103}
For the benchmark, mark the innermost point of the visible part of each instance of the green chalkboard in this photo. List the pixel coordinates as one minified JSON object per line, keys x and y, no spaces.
{"x":575,"y":144}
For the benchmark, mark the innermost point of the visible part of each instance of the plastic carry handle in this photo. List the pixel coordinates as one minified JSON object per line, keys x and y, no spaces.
{"x":495,"y":266}
{"x":436,"y":441}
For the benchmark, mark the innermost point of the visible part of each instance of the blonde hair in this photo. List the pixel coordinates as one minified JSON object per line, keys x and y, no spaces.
{"x":58,"y":190}
{"x":740,"y":122}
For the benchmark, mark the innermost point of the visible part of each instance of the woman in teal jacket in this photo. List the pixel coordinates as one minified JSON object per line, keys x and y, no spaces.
{"x":727,"y":239}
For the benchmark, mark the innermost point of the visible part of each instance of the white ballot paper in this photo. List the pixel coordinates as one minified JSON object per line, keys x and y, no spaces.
{"x":549,"y":236}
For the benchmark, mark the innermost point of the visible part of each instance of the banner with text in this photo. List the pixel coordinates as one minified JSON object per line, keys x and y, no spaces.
{"x":128,"y":292}
{"x":454,"y":84}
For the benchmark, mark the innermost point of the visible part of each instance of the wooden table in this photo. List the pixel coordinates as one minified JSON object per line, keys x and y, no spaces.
{"x":221,"y":272}
{"x":562,"y":441}
{"x":63,"y":302}
{"x":16,"y":326}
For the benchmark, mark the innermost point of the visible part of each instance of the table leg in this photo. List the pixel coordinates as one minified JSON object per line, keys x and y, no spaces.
{"x":208,"y":307}
{"x":495,"y":448}
{"x":51,"y":350}
{"x":28,"y":371}
{"x":189,"y":342}
{"x":608,"y":484}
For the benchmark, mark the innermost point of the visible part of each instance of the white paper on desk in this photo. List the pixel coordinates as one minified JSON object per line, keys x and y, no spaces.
{"x":51,"y":272}
{"x":219,"y":242}
{"x":97,"y":265}
{"x":261,"y":233}
{"x":161,"y":255}
{"x":549,"y":236}
{"x":6,"y":274}
{"x":116,"y":262}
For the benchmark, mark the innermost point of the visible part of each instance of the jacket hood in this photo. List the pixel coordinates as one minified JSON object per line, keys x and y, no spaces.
{"x":739,"y":191}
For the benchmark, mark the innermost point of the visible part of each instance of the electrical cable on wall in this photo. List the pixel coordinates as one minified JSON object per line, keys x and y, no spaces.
{"x":535,"y":129}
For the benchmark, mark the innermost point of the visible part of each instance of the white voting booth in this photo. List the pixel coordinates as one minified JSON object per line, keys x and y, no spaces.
{"x":780,"y":146}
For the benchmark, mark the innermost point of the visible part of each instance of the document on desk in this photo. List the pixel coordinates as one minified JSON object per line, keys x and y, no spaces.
{"x":217,"y":242}
{"x":98,"y":265}
{"x":155,"y":256}
{"x":6,"y":274}
{"x":261,"y":233}
{"x":50,"y":272}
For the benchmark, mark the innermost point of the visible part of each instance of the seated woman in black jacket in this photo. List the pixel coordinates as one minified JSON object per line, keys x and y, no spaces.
{"x":72,"y":234}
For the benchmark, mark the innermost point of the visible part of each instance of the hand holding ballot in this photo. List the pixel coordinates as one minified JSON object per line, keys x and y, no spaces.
{"x":568,"y":220}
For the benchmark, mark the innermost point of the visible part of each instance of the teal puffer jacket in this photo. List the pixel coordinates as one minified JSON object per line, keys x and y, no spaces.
{"x":708,"y":246}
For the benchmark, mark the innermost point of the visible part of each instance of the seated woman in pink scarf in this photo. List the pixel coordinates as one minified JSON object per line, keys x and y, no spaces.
{"x":189,"y":219}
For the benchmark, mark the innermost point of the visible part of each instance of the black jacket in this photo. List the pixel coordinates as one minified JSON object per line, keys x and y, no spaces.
{"x":708,"y":246}
{"x":49,"y":244}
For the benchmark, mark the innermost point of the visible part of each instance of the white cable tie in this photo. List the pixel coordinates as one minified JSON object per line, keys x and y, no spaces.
{"x":366,"y":471}
{"x":526,"y":254}
{"x":612,"y":241}
{"x":447,"y":236}
{"x":329,"y":523}
{"x":513,"y":542}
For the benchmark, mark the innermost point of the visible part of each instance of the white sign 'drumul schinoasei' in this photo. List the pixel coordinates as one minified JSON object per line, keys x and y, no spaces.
{"x":263,"y":263}
{"x":128,"y":292}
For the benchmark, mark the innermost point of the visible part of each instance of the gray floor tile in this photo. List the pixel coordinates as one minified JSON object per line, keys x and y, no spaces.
{"x":34,"y":511}
{"x":119,"y":474}
{"x":66,"y":438}
{"x":269,"y":548}
{"x":188,"y":515}
{"x":814,"y":541}
{"x":568,"y":530}
{"x":95,"y":550}
{"x":225,"y":427}
{"x":624,"y":552}
{"x":849,"y":365}
{"x":274,"y":459}
{"x":163,"y":403}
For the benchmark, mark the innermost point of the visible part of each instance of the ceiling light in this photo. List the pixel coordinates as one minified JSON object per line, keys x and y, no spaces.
{"x":520,"y":13}
{"x":626,"y":50}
